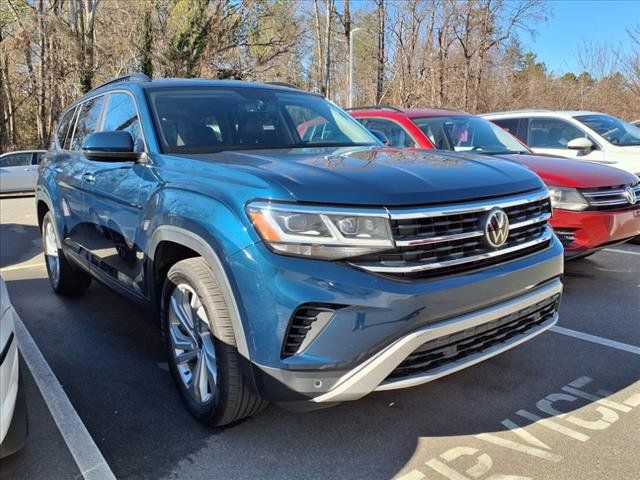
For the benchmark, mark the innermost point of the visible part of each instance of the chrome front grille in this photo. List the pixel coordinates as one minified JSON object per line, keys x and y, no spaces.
{"x":451,"y":238}
{"x":610,"y":198}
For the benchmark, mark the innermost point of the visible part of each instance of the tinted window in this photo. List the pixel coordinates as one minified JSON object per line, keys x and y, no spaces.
{"x":16,"y":160}
{"x":398,"y":137}
{"x":200,"y":120}
{"x":552,"y":133}
{"x":87,"y":121}
{"x":38,"y":158}
{"x":63,"y":129}
{"x":510,"y":125}
{"x":121,"y":114}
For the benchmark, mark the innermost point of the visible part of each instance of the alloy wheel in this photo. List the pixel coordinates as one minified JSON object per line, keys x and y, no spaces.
{"x":51,"y":252}
{"x":192,"y":344}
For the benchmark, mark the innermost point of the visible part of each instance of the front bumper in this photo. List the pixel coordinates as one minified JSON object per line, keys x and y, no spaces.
{"x":378,"y":322}
{"x":581,"y":232}
{"x":371,"y":375}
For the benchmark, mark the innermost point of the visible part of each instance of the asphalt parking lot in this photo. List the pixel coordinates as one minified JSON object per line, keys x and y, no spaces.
{"x":565,"y":405}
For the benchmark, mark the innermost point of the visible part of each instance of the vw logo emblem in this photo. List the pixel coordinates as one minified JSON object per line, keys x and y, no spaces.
{"x":496,"y":227}
{"x":630,"y":193}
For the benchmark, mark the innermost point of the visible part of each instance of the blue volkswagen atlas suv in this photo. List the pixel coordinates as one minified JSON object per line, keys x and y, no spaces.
{"x":289,"y":256}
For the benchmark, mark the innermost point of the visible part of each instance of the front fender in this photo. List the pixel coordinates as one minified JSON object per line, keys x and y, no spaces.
{"x":209,"y":228}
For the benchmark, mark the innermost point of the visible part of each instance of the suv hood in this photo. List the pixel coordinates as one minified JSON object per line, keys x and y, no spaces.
{"x":564,"y":172}
{"x":380,"y":176}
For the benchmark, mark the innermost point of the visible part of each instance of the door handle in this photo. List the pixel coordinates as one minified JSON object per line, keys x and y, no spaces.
{"x":88,"y":177}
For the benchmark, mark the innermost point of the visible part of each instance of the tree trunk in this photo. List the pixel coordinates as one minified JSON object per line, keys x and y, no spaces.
{"x":347,"y":38}
{"x":380,"y":59}
{"x":327,"y":64}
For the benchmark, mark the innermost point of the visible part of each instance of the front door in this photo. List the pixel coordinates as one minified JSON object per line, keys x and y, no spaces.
{"x":115,"y":196}
{"x":551,"y":135}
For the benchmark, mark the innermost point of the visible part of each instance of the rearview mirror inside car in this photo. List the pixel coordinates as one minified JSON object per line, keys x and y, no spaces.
{"x":380,"y":136}
{"x":116,"y":146}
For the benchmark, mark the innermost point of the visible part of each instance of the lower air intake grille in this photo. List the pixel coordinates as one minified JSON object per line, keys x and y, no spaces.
{"x":461,"y":344}
{"x":306,"y":318}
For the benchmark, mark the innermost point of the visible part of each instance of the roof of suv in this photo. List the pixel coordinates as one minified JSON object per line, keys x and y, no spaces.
{"x":540,"y":113}
{"x":405,"y":112}
{"x":144,"y":82}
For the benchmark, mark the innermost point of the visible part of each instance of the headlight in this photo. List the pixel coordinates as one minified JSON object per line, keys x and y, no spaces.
{"x":567,"y":199}
{"x":323,"y":232}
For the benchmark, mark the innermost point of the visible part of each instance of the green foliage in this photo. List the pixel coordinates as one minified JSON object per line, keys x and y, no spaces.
{"x":192,"y":22}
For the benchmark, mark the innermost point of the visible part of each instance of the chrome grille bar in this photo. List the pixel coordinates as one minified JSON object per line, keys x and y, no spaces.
{"x":470,"y":207}
{"x":421,"y":267}
{"x":472,"y":234}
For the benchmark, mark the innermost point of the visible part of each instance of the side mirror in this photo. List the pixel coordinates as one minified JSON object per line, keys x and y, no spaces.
{"x":580,"y":143}
{"x":114,"y":146}
{"x":380,"y":136}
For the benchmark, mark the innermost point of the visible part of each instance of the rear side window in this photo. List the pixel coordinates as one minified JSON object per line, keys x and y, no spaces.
{"x":121,"y":115}
{"x":38,"y":158}
{"x":552,"y":133}
{"x":16,"y":160}
{"x":510,"y":125}
{"x":87,"y":121}
{"x":64,"y":127}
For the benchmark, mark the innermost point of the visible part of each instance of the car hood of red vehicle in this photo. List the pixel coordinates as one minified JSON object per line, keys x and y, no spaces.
{"x":564,"y":172}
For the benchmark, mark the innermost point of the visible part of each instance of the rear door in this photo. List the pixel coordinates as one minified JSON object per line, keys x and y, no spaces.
{"x":16,"y":172}
{"x":115,"y":195}
{"x":70,"y":166}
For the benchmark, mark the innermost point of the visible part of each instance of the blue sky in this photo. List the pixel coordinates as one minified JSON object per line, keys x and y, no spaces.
{"x":573,"y":21}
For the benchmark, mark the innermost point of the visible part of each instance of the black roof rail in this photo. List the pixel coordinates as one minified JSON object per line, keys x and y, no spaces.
{"x":373,"y":107}
{"x":283,"y":84}
{"x":131,"y":77}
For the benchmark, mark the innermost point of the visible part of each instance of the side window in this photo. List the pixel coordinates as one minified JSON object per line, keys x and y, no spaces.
{"x":37,"y":158}
{"x":510,"y":125}
{"x":87,"y":121}
{"x":63,"y":128}
{"x":398,"y":137}
{"x":16,"y":160}
{"x":121,"y":114}
{"x":552,"y":133}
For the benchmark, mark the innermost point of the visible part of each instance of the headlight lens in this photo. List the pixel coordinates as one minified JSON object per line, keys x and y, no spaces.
{"x":567,"y":198}
{"x":324,"y":233}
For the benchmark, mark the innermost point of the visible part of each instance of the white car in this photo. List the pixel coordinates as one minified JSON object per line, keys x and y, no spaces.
{"x":19,"y":170}
{"x":13,"y":417}
{"x":592,"y":136}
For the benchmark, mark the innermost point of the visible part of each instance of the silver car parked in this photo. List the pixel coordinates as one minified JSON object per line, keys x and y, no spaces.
{"x":19,"y":170}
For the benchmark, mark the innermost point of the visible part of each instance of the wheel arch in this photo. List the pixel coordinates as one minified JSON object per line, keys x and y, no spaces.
{"x":200,"y":247}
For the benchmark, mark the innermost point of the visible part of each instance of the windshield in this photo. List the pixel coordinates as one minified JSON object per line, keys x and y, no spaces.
{"x":212,"y":119}
{"x":464,"y":132}
{"x":612,"y":129}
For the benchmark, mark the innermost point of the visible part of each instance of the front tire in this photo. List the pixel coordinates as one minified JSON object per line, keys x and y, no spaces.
{"x":65,"y":278}
{"x":201,"y":346}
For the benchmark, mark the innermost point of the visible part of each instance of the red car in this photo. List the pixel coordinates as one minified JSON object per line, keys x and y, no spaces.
{"x":593,"y":205}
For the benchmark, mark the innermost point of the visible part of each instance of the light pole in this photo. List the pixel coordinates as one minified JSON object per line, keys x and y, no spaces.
{"x":351,"y":66}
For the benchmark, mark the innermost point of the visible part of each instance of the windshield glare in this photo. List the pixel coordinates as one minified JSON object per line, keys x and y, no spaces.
{"x":212,"y":119}
{"x":612,"y":129}
{"x":464,"y":133}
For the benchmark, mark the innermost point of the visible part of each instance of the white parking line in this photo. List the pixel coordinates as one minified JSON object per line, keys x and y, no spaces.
{"x":86,"y":454}
{"x":21,"y":266}
{"x":615,"y":250}
{"x":595,"y":339}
